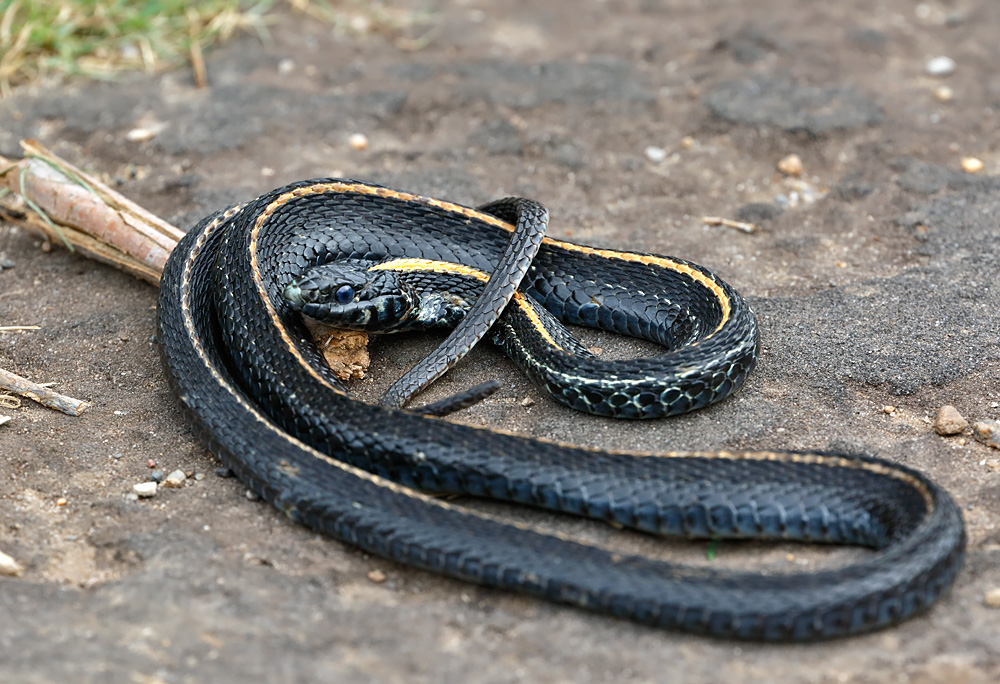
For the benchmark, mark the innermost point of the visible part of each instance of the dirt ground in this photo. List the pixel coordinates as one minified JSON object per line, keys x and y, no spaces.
{"x":874,"y":276}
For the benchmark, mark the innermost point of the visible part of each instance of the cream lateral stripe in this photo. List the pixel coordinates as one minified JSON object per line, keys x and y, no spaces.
{"x":431,"y":266}
{"x":818,"y":459}
{"x":262,"y":419}
{"x":825,"y":460}
{"x":433,"y":501}
{"x":305,"y":448}
{"x":669,"y":264}
{"x":262,"y":292}
{"x":450,"y":207}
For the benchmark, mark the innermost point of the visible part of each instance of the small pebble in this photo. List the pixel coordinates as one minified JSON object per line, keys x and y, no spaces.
{"x":286,"y":66}
{"x":175,"y":479}
{"x":157,"y":476}
{"x":971,"y":165}
{"x":791,"y":165}
{"x":199,"y":476}
{"x":361,"y":23}
{"x":252,"y":496}
{"x":944,"y":94}
{"x":61,"y":501}
{"x":889,"y":409}
{"x":5,"y":419}
{"x":224,"y":472}
{"x":7,"y":263}
{"x":949,"y":421}
{"x":150,"y":463}
{"x":992,"y":598}
{"x":527,"y":401}
{"x":358,"y":141}
{"x":940,"y":66}
{"x":9,"y":566}
{"x":655,"y":154}
{"x":955,"y":18}
{"x":141,"y":134}
{"x":987,"y":432}
{"x":377,"y":576}
{"x":144,"y":490}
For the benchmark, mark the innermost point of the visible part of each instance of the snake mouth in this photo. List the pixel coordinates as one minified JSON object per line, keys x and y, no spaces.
{"x":294,"y":294}
{"x":384,"y":313}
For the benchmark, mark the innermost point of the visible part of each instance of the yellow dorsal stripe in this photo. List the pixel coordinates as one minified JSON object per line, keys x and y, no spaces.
{"x":431,"y":266}
{"x":362,"y":189}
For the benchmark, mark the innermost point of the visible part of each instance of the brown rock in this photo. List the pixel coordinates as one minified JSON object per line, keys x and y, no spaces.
{"x":174,"y":480}
{"x":949,"y":421}
{"x":987,"y":432}
{"x":791,"y":165}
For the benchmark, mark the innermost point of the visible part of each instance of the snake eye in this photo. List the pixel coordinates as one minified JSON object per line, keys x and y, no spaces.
{"x":345,"y":294}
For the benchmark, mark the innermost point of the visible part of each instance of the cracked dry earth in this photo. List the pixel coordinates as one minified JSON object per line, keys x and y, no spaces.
{"x":874,"y":276}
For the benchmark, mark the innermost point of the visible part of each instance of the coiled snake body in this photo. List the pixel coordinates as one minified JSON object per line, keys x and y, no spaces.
{"x":258,"y":394}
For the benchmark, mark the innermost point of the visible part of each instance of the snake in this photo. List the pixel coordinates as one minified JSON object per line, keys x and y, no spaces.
{"x":255,"y":390}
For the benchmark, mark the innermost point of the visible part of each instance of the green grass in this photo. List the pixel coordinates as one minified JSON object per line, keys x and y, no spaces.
{"x":102,"y":38}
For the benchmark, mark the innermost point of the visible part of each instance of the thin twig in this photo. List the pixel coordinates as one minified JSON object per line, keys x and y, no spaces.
{"x":44,"y":396}
{"x":745,"y":226}
{"x":197,"y":58}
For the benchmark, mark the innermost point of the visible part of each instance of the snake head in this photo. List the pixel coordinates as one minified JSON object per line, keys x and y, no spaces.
{"x":348,"y":294}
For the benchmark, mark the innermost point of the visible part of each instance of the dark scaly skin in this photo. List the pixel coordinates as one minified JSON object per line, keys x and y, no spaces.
{"x":531,"y":219}
{"x":915,"y":526}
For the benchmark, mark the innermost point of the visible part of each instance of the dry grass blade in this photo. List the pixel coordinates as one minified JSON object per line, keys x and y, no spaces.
{"x":48,"y":195}
{"x":102,"y":38}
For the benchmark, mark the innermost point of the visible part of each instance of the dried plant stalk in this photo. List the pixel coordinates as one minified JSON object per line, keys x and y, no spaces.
{"x":41,"y":394}
{"x":48,"y":195}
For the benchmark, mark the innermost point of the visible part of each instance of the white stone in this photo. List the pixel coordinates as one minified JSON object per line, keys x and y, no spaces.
{"x":144,"y":490}
{"x":655,"y":154}
{"x":940,"y":66}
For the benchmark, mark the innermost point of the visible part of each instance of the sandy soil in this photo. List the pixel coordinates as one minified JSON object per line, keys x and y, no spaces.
{"x":875,"y":286}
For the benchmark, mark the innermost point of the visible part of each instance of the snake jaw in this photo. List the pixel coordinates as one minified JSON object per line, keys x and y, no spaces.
{"x":440,"y":310}
{"x":348,"y":294}
{"x":293,"y":293}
